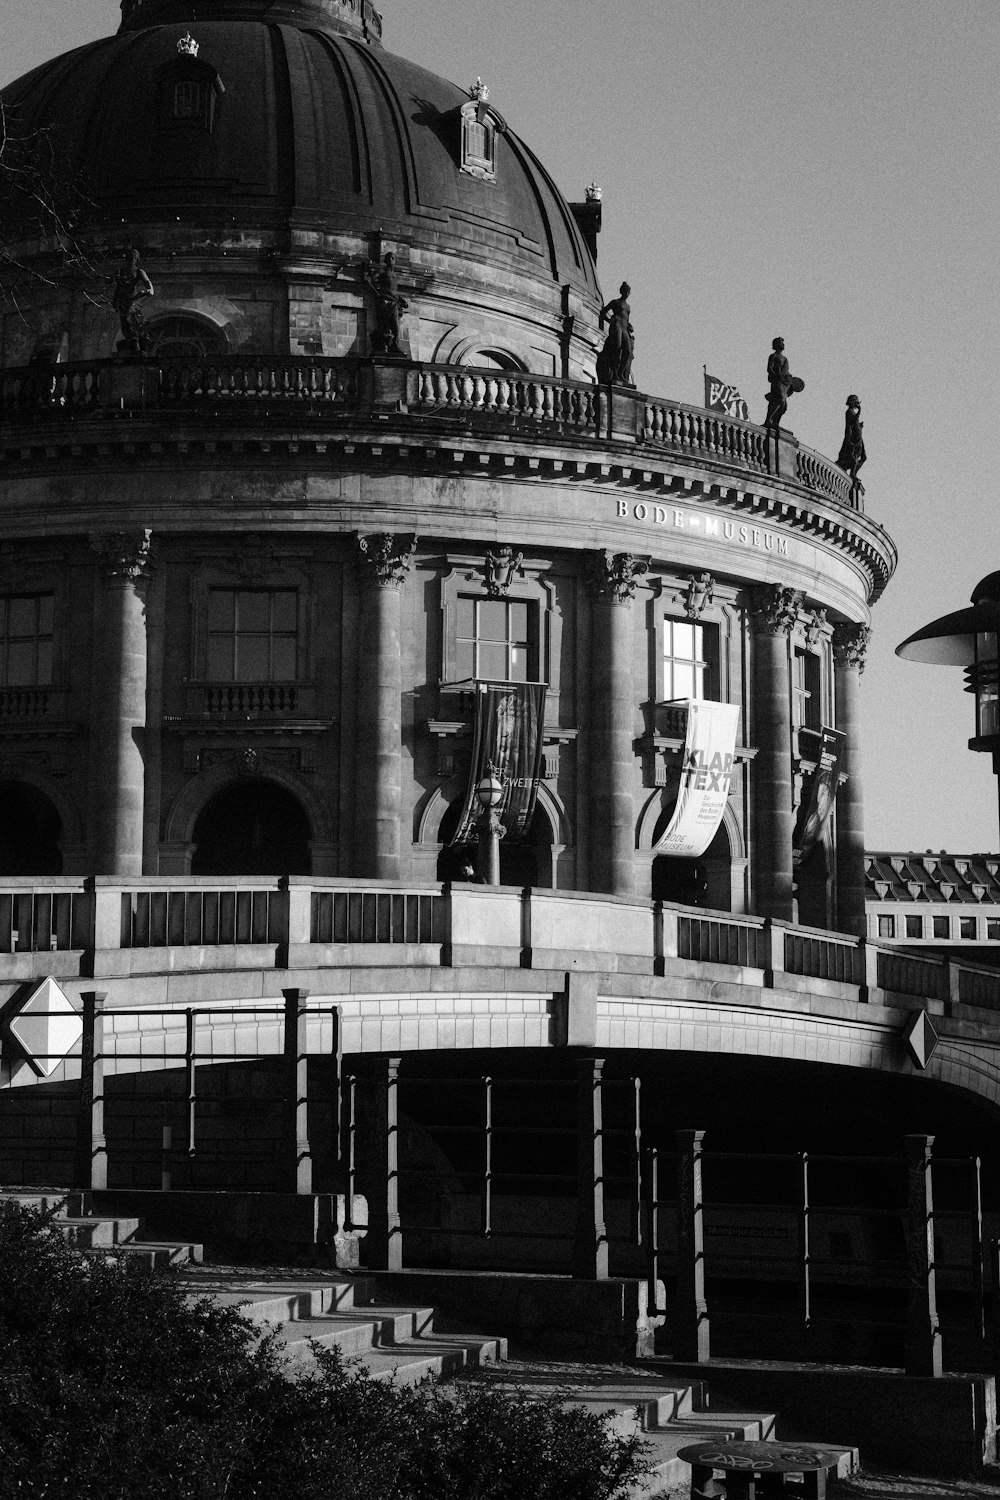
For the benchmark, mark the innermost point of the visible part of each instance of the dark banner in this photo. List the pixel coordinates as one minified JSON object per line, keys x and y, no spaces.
{"x":507,"y":739}
{"x":818,"y":792}
{"x":721,"y":396}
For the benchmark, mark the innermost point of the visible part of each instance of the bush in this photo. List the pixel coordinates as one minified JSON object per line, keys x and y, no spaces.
{"x":114,"y":1384}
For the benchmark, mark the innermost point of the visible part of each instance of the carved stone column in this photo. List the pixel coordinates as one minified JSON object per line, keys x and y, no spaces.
{"x":383,"y":562}
{"x":773,"y":612}
{"x":850,"y":643}
{"x":119,"y":699}
{"x":611,"y":580}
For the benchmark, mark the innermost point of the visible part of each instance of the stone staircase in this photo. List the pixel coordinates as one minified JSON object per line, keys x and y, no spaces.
{"x":74,"y":1218}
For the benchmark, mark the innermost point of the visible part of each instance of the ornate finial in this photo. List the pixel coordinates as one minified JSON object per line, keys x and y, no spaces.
{"x":594,"y":193}
{"x":187,"y":46}
{"x":501,"y":565}
{"x":479,"y":91}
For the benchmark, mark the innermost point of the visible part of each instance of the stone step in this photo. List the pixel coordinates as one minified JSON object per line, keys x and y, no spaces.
{"x":280,"y":1300}
{"x":96,"y":1234}
{"x":156,"y":1253}
{"x":101,"y":1233}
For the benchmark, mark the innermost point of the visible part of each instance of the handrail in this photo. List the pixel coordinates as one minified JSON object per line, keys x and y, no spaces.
{"x":485,"y":400}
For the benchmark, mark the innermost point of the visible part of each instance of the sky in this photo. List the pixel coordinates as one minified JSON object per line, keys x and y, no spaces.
{"x":823,"y":171}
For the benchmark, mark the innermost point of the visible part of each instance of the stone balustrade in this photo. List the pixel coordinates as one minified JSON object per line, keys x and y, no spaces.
{"x":338,"y":390}
{"x":105,"y":927}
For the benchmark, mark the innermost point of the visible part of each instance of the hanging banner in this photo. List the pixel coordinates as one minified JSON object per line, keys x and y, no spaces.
{"x":719,"y":396}
{"x":507,"y":740}
{"x":819,"y":790}
{"x":706,"y":776}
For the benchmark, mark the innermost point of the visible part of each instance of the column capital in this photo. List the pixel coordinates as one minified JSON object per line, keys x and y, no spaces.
{"x":123,"y":554}
{"x":774,"y":608}
{"x":614,"y":575}
{"x":850,"y":646}
{"x":384,"y":557}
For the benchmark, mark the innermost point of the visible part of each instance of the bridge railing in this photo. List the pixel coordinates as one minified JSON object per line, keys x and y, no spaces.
{"x":481,"y":400}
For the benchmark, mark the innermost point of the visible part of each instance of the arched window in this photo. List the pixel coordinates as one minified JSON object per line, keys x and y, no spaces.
{"x":184,"y":338}
{"x":479,"y":141}
{"x":252,"y":827}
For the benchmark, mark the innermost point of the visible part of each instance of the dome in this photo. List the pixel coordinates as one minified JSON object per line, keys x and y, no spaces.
{"x":304,"y":124}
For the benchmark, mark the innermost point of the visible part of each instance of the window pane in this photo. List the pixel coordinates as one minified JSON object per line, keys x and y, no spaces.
{"x":187,"y":100}
{"x":220,"y":659}
{"x":252,"y":611}
{"x":914,"y":927}
{"x":941,"y":927}
{"x":683,"y":640}
{"x":220,"y":609}
{"x":463,"y":660}
{"x":683,"y":680}
{"x":886,"y":927}
{"x":493,"y":661}
{"x":283,"y":659}
{"x":20,"y":663}
{"x":967,"y":927}
{"x":284,"y":609}
{"x":519,"y":664}
{"x":518,"y":620}
{"x":45,"y":614}
{"x":251,"y":658}
{"x":492,"y":620}
{"x":993,"y":931}
{"x":21,"y":620}
{"x":43,"y":674}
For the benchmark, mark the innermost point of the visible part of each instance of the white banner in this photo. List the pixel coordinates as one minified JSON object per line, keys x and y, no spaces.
{"x":706,"y":774}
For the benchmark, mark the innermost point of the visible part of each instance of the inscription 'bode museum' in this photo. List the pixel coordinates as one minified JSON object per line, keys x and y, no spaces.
{"x":704,"y":525}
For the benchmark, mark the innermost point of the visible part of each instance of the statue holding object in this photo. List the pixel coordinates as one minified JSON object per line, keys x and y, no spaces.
{"x":389,"y":304}
{"x":852,"y":450}
{"x":614,"y":363}
{"x":781,"y":385}
{"x":131,"y":285}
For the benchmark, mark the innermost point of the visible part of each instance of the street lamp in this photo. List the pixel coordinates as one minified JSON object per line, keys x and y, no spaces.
{"x":969,"y":638}
{"x":489,"y":795}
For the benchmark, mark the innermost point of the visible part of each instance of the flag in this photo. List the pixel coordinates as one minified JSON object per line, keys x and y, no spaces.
{"x":725,"y":398}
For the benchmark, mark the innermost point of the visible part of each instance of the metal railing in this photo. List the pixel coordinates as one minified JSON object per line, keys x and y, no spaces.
{"x":715,"y":940}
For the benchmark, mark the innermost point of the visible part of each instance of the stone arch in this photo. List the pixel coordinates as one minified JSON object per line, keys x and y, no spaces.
{"x":72,"y":839}
{"x":650,"y":814}
{"x":178,"y":847}
{"x":456,"y":348}
{"x":432,"y":811}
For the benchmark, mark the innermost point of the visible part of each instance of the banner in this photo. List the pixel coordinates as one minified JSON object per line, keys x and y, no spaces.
{"x":507,"y":738}
{"x":819,"y":789}
{"x":725,"y":398}
{"x":706,"y":775}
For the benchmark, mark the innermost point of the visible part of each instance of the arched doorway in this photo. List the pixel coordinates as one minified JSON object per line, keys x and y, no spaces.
{"x":252,"y":828}
{"x":521,"y":860}
{"x":30,"y":832}
{"x":705,"y":881}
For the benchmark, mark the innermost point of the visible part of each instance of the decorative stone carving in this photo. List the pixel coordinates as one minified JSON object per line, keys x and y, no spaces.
{"x":502,"y":564}
{"x":479,"y":91}
{"x":699,"y":594}
{"x":774,"y":608}
{"x":384,"y":558}
{"x":815,"y":624}
{"x":781,"y":385}
{"x":850,"y":646}
{"x":389,"y":305}
{"x":187,"y":46}
{"x":250,"y":760}
{"x":123,"y":554}
{"x":594,"y":193}
{"x":852,"y":450}
{"x":615,"y":575}
{"x":254,"y":557}
{"x":614,"y":363}
{"x":130,"y":285}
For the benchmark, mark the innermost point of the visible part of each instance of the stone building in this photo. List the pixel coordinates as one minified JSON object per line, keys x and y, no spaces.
{"x":254,"y":572}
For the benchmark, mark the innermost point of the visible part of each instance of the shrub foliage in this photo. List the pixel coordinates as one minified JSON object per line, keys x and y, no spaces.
{"x":114,"y":1383}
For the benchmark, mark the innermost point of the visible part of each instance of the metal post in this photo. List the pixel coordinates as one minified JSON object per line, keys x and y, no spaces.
{"x":994,"y":1253}
{"x":637,"y":1159}
{"x":805,"y":1286}
{"x":190,"y":1077}
{"x":923,"y":1331}
{"x":166,"y":1150}
{"x":351,"y":1128}
{"x":92,"y":1146}
{"x":486,"y":1223}
{"x":978,"y":1253}
{"x":380,"y":1156}
{"x":299,"y":1155}
{"x":651,"y":1194}
{"x":691,"y":1333}
{"x":337,"y":1101}
{"x":590,"y":1243}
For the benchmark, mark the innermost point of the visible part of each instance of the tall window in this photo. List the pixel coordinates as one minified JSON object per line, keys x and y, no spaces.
{"x":686,"y":666}
{"x":189,"y":99}
{"x":26,"y":640}
{"x":252,"y":635}
{"x":495,"y":639}
{"x":807,"y":705}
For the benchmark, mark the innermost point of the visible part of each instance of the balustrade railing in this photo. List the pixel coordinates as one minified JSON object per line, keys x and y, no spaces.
{"x":714,"y":940}
{"x":45,"y":921}
{"x":479,"y":398}
{"x":26,"y":702}
{"x":907,"y":974}
{"x":172,"y":918}
{"x":245,"y":699}
{"x":377,"y":917}
{"x":824,"y":958}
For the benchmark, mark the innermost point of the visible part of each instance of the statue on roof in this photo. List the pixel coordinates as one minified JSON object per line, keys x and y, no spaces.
{"x":614,"y":363}
{"x":389,"y":304}
{"x":852,"y":450}
{"x":781,"y":385}
{"x":131,"y":286}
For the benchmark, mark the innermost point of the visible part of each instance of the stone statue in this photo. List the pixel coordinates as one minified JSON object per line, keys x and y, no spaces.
{"x":131,"y":285}
{"x":852,"y":450}
{"x":614,"y":363}
{"x":388,"y":306}
{"x":781,"y":385}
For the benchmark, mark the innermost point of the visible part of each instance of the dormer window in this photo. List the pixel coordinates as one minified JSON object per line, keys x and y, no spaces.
{"x":190,"y":89}
{"x":479,"y":134}
{"x":189,"y":99}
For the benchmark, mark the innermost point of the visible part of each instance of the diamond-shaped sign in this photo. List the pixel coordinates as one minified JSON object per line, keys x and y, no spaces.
{"x":920,"y":1037}
{"x":44,"y":1027}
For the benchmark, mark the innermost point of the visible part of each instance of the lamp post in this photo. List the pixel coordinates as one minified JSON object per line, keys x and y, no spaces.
{"x":489,"y":795}
{"x":969,"y":638}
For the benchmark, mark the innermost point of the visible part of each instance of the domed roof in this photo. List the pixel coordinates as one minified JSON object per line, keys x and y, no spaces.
{"x":312,"y":126}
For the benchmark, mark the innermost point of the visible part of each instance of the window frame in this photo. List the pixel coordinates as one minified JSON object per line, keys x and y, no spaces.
{"x":271,"y":635}
{"x":37,"y":636}
{"x":465,"y":577}
{"x":806,"y":689}
{"x":476,"y":116}
{"x":478,"y":642}
{"x":886,"y":925}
